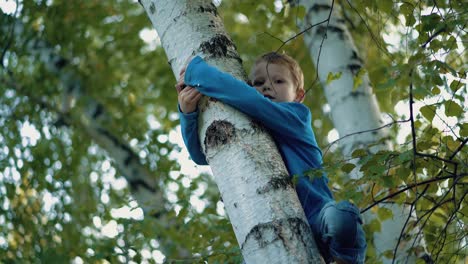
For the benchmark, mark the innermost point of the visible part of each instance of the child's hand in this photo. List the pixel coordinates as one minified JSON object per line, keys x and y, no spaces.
{"x":188,"y":96}
{"x":188,"y":99}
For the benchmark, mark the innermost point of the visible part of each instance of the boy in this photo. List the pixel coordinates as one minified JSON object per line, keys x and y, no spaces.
{"x":275,"y":100}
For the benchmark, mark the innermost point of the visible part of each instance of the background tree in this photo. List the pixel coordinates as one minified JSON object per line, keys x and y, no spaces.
{"x":354,"y":108}
{"x":59,"y":190}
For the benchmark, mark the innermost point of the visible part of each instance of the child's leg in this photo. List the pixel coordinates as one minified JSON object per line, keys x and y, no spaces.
{"x":339,"y":233}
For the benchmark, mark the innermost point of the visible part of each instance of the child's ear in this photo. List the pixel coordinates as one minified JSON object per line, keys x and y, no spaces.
{"x":299,"y":96}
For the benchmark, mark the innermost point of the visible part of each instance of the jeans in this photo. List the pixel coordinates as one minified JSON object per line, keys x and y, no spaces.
{"x":339,"y":234}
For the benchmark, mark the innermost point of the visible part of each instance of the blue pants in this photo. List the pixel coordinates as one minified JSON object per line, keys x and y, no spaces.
{"x":338,"y":233}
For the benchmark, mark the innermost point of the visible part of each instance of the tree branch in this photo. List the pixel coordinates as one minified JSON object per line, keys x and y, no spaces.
{"x":408,"y":187}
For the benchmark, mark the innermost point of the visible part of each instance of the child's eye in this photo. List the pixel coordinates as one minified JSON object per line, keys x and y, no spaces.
{"x":257,"y":83}
{"x":279,"y":81}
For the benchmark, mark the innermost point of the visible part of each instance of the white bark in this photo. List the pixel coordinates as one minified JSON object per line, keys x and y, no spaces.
{"x":262,"y":205}
{"x":352,"y":110}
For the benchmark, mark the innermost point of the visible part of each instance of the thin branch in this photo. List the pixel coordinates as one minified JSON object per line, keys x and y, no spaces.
{"x":370,"y":31}
{"x":438,"y":32}
{"x":408,"y":187}
{"x":365,"y":131}
{"x":304,"y":31}
{"x":458,"y":149}
{"x":413,"y":129}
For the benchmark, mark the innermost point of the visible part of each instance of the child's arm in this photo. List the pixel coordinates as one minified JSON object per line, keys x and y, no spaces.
{"x":189,"y":128}
{"x":288,"y":119}
{"x":188,"y":98}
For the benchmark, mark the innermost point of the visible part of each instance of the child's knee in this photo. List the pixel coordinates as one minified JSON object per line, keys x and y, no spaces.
{"x":343,"y":223}
{"x":342,"y":231}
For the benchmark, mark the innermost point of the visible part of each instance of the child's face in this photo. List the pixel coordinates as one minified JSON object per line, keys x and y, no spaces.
{"x":276,"y":83}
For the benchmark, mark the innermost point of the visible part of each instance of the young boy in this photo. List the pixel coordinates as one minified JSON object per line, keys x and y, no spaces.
{"x":275,"y":101}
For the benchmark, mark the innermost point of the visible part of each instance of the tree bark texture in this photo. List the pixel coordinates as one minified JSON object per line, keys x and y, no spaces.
{"x":259,"y":198}
{"x":353,"y":109}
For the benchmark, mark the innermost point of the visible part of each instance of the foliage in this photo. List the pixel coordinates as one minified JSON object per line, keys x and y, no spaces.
{"x":406,"y":44}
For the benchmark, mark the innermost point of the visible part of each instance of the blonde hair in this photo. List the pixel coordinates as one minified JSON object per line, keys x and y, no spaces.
{"x":284,"y":59}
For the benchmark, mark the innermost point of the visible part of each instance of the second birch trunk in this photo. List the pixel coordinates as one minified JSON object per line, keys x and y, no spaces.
{"x":352,"y":109}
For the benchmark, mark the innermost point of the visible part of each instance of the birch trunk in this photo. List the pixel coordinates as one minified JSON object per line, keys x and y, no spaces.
{"x":262,"y":205}
{"x":352,"y":110}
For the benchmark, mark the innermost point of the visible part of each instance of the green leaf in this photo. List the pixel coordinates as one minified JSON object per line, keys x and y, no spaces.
{"x":430,"y":22}
{"x":428,"y":111}
{"x":375,"y":226}
{"x":403,"y":173}
{"x":453,"y":109}
{"x":300,"y":13}
{"x":359,"y":153}
{"x":455,"y":85}
{"x":390,"y":83}
{"x":463,"y":129}
{"x":405,"y":156}
{"x":388,"y":181}
{"x":407,"y":11}
{"x":358,"y":79}
{"x":348,"y":167}
{"x":333,"y":76}
{"x":384,"y":213}
{"x":385,"y":6}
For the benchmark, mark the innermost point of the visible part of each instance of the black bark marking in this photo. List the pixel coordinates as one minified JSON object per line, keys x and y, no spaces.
{"x":212,"y":24}
{"x":355,"y":56}
{"x":219,"y":133}
{"x":354,"y":68}
{"x":183,"y":14}
{"x":322,"y":30}
{"x":320,"y":7}
{"x":276,"y":184}
{"x":98,"y":111}
{"x":60,"y":63}
{"x":127,"y":160}
{"x":357,"y":93}
{"x":211,"y":8}
{"x":427,"y":259}
{"x":235,"y":205}
{"x":156,"y":214}
{"x":137,"y":183}
{"x":152,"y":8}
{"x":340,"y":20}
{"x":257,"y":127}
{"x":217,"y":46}
{"x":297,"y":226}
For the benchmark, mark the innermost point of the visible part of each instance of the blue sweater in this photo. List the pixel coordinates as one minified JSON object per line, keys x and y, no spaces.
{"x":287,"y":122}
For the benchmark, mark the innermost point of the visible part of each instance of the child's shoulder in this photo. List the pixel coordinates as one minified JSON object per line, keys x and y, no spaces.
{"x":300,"y":109}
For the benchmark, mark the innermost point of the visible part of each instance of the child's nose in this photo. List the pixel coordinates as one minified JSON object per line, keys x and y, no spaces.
{"x":266,"y":87}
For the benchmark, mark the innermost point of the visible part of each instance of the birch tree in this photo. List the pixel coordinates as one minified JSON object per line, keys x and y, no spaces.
{"x":259,"y":197}
{"x":354,"y":108}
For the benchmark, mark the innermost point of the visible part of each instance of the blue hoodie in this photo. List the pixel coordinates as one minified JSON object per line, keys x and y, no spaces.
{"x":287,"y":122}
